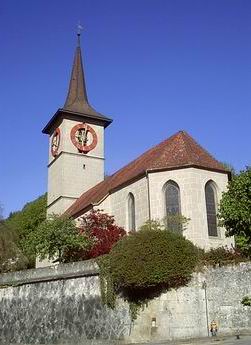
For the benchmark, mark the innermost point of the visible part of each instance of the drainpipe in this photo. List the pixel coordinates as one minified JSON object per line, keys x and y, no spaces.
{"x":204,"y":286}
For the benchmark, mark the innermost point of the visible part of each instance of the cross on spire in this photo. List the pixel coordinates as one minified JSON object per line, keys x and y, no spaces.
{"x":80,"y":28}
{"x":77,"y":103}
{"x":77,"y":100}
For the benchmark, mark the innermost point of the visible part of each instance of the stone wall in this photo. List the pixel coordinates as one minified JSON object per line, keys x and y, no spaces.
{"x":187,"y":312}
{"x":57,"y":304}
{"x":61,"y":304}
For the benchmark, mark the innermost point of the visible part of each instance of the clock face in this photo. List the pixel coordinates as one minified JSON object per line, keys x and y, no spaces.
{"x":83,"y":137}
{"x":55,"y":142}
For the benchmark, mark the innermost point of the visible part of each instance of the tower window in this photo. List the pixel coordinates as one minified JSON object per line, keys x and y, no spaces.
{"x":172,"y":206}
{"x":131,"y":213}
{"x":210,"y":194}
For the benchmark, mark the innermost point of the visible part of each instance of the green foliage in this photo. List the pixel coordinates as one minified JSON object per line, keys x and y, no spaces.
{"x":144,"y":264}
{"x":172,"y":221}
{"x":176,"y":222}
{"x":152,"y":225}
{"x":11,"y":257}
{"x":54,"y":237}
{"x":26,"y":221}
{"x":150,"y":257}
{"x":221,"y":256}
{"x":107,"y":288}
{"x":246,"y":301}
{"x":242,"y":244}
{"x":235,"y":206}
{"x":1,"y":212}
{"x":229,"y":167}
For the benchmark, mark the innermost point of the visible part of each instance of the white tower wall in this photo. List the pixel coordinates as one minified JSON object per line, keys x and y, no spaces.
{"x":71,"y":173}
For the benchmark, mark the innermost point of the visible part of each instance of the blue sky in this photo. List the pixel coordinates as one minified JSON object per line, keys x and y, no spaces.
{"x":154,"y":66}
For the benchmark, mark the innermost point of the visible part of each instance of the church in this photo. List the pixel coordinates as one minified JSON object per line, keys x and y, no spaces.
{"x":176,"y":177}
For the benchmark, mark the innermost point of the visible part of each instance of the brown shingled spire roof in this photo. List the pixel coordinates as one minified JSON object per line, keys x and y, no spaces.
{"x":76,"y":103}
{"x":77,"y":100}
{"x":178,"y":151}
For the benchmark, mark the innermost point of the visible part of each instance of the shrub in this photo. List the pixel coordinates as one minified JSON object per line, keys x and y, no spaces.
{"x":149,"y":258}
{"x":173,"y":222}
{"x":154,"y":224}
{"x":176,"y":222}
{"x":222,"y":256}
{"x":103,"y":234}
{"x":144,"y":264}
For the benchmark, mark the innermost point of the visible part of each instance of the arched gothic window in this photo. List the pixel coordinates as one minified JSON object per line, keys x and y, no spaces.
{"x":172,"y":206}
{"x":210,"y":194}
{"x":131,"y":213}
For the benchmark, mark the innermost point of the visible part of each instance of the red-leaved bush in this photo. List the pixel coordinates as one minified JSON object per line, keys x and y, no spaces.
{"x":103,"y":232}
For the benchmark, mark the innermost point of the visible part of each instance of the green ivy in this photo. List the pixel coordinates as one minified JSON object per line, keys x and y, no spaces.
{"x":143,"y":265}
{"x":107,"y":287}
{"x":246,"y":301}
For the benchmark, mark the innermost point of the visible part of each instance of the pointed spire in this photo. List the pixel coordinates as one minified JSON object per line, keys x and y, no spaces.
{"x":77,"y":100}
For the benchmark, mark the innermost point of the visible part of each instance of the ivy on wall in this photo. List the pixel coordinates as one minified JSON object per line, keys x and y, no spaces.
{"x":246,"y":301}
{"x":143,"y":265}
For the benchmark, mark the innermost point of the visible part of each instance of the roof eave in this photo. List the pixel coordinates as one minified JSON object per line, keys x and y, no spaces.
{"x":191,"y":165}
{"x":99,"y":118}
{"x":142,"y":174}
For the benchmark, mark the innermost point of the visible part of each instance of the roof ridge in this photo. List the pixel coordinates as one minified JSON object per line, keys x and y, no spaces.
{"x":179,"y":150}
{"x":202,"y":149}
{"x":186,"y":144}
{"x":154,"y":148}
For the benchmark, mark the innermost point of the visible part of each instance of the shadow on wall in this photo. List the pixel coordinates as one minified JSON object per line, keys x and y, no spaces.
{"x":69,"y":319}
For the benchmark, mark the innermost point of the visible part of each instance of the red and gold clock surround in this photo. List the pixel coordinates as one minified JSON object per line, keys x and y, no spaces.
{"x":55,"y":142}
{"x":81,"y":131}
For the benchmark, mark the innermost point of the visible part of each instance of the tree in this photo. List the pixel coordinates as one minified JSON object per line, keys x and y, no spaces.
{"x":235,"y":207}
{"x":229,"y":167}
{"x":1,"y":212}
{"x":11,"y":257}
{"x":27,"y":220}
{"x":55,"y":237}
{"x":103,"y":233}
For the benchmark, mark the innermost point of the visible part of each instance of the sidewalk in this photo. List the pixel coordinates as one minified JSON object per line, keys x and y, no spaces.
{"x":224,"y":340}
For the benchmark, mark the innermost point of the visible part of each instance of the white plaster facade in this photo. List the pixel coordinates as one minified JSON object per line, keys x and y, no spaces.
{"x":117,"y":203}
{"x":71,"y":173}
{"x":150,"y":203}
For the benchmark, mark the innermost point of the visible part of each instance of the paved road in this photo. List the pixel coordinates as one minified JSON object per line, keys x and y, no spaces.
{"x":244,"y":340}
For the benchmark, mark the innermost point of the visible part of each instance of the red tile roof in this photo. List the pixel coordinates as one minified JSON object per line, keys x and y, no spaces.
{"x":180,"y":150}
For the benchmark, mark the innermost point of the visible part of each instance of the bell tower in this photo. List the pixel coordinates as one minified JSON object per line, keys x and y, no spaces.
{"x":76,"y":144}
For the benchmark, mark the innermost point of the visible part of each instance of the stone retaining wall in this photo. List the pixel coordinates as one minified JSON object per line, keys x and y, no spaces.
{"x":61,"y":304}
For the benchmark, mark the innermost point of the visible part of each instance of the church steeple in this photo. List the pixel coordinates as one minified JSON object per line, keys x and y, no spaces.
{"x":77,"y":100}
{"x":76,"y":140}
{"x":77,"y":104}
